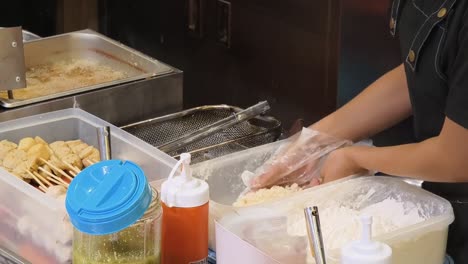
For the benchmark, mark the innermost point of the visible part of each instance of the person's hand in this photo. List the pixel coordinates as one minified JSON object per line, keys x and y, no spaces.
{"x":277,"y":174}
{"x":297,"y":162}
{"x":340,"y":164}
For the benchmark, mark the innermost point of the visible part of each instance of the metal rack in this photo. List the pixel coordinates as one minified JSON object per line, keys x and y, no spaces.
{"x":247,"y":134}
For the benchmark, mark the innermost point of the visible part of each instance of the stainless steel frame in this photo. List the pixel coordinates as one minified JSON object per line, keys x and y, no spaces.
{"x":120,"y":104}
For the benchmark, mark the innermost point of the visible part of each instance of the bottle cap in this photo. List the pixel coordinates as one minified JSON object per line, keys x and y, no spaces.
{"x":366,"y":251}
{"x":184,"y":190}
{"x":107,"y":197}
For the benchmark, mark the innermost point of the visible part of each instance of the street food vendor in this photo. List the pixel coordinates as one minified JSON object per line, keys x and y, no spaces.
{"x":431,"y":85}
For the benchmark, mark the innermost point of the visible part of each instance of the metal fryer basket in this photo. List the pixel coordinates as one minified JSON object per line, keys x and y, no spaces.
{"x":247,"y":134}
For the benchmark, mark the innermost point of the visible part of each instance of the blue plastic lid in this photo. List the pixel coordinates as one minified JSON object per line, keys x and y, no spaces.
{"x":108,"y":197}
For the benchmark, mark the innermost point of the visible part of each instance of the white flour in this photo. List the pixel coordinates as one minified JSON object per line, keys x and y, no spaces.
{"x":265,"y":195}
{"x":341,"y":224}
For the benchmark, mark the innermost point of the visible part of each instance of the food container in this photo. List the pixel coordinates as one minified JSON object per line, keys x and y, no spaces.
{"x":275,"y":232}
{"x":223,"y":177}
{"x":77,"y":62}
{"x":116,"y":215}
{"x":46,"y":239}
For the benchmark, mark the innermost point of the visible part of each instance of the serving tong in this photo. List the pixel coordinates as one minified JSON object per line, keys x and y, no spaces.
{"x":314,"y":232}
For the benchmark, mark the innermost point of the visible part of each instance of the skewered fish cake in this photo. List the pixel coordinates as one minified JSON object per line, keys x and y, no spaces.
{"x":37,"y":152}
{"x":60,"y":148}
{"x":5,"y":147}
{"x":64,"y":159}
{"x":73,"y":159}
{"x":26,"y":143}
{"x":86,"y":152}
{"x":14,"y":158}
{"x":39,"y":140}
{"x":16,"y":161}
{"x":95,"y":155}
{"x":47,"y":169}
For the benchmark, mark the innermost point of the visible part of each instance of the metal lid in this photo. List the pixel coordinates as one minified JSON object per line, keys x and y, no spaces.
{"x":108,"y":197}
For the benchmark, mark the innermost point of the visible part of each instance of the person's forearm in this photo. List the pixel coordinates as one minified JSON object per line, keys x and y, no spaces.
{"x":426,"y":160}
{"x":383,"y":104}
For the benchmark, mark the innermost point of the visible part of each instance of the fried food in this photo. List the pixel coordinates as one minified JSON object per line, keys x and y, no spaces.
{"x":5,"y":147}
{"x":26,"y":143}
{"x":37,"y":153}
{"x":57,"y":158}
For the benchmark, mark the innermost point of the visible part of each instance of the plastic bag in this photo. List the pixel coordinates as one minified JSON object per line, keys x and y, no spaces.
{"x":299,"y":161}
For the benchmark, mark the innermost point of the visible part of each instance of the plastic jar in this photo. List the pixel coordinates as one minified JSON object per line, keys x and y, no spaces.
{"x":119,"y":237}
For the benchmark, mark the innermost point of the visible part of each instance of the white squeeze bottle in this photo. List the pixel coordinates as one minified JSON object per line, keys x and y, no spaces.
{"x":366,"y":251}
{"x":184,"y":238}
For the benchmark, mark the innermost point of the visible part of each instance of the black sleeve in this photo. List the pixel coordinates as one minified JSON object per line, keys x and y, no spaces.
{"x":457,"y":99}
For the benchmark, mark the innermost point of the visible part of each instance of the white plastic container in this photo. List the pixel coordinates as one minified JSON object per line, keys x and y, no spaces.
{"x":19,"y":199}
{"x":266,"y":226}
{"x":223,"y":175}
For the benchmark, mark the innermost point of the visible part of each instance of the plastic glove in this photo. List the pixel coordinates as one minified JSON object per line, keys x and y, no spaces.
{"x":297,"y":162}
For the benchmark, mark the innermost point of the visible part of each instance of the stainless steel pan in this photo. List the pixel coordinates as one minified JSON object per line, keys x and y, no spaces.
{"x":87,"y":44}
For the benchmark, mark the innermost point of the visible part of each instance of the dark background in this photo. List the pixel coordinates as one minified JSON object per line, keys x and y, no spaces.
{"x":304,"y":57}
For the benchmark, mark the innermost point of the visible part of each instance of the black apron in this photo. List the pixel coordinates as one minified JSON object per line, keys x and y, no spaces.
{"x":422,"y":30}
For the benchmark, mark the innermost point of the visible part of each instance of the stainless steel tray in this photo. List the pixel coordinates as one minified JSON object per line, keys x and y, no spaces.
{"x":247,"y":134}
{"x":88,"y":44}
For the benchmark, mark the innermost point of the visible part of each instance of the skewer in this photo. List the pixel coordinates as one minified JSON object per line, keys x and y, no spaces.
{"x":36,"y":179}
{"x":72,"y":168}
{"x":62,"y":182}
{"x":57,"y":182}
{"x":46,"y":172}
{"x":57,"y":169}
{"x":72,"y":173}
{"x":42,"y":189}
{"x":52,"y":176}
{"x":91,"y":161}
{"x":88,"y":161}
{"x":42,"y":178}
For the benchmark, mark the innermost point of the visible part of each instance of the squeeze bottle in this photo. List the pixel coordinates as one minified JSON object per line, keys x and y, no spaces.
{"x":366,"y":251}
{"x":185,"y":216}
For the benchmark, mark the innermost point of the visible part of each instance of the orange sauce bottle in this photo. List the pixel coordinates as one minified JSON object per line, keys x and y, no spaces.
{"x":185,"y":200}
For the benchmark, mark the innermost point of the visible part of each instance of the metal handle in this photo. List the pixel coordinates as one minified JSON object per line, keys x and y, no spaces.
{"x":195,"y":14}
{"x":104,"y":142}
{"x":206,"y":131}
{"x":315,"y":234}
{"x":224,"y":22}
